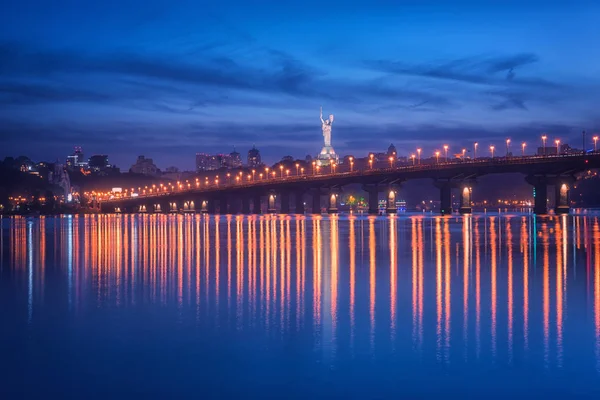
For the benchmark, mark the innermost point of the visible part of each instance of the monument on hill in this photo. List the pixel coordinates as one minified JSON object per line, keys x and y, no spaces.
{"x":327,"y":154}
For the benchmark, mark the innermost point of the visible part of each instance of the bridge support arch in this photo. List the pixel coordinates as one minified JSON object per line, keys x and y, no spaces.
{"x":466,"y":191}
{"x":271,"y":208}
{"x":391,"y":195}
{"x":562,"y":198}
{"x":204,"y":207}
{"x":332,"y":201}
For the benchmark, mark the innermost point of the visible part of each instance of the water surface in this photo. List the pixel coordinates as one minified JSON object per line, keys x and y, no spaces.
{"x":297,"y":307}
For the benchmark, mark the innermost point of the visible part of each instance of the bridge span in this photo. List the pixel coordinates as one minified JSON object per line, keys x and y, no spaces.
{"x":230,"y":196}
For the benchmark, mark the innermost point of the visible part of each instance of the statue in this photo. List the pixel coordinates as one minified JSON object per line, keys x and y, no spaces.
{"x":326,"y":126}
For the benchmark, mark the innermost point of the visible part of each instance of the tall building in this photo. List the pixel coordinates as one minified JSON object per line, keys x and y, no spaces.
{"x":144,"y":166}
{"x":76,"y":160}
{"x":235,"y":159}
{"x":98,"y":162}
{"x":208,"y":162}
{"x":254,"y":160}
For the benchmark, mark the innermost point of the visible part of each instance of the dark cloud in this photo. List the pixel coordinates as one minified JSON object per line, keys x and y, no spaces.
{"x":27,"y":93}
{"x":474,"y":70}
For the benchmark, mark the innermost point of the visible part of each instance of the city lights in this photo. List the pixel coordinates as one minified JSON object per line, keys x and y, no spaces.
{"x":492,"y":147}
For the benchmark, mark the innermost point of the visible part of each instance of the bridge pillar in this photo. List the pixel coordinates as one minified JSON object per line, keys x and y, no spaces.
{"x":284,"y":198}
{"x":245,"y":205}
{"x":211,"y":206}
{"x":299,"y":202}
{"x":204,"y":207}
{"x":465,"y":199}
{"x":173,"y":207}
{"x":223,"y":205}
{"x":233,"y":205}
{"x":256,"y":204}
{"x":162,"y":207}
{"x":332,"y":202}
{"x":373,"y":192}
{"x":271,"y":203}
{"x":562,"y":198}
{"x":446,"y":199}
{"x":189,"y":206}
{"x":316,"y":201}
{"x":540,"y":193}
{"x":391,"y":200}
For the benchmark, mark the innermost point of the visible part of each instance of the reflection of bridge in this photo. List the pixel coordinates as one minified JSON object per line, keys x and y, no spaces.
{"x":234,"y":196}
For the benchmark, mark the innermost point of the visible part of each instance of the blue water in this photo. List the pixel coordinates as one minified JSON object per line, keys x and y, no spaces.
{"x":299,"y":307}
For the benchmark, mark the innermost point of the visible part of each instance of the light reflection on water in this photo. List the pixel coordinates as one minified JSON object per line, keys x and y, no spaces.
{"x":510,"y":301}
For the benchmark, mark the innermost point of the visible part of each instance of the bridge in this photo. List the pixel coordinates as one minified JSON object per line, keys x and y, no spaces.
{"x":231,"y":196}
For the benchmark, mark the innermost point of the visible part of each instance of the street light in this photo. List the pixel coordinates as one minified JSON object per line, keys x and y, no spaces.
{"x":302,"y":170}
{"x":281,"y":170}
{"x":523,"y":149}
{"x":371,"y":160}
{"x":557,"y":141}
{"x":475,"y":150}
{"x":463,"y":154}
{"x":314,"y":170}
{"x":297,"y":169}
{"x":351,"y":164}
{"x":413,"y":159}
{"x":419,"y":155}
{"x":544,"y":137}
{"x":267,"y":172}
{"x":492,"y":150}
{"x":446,"y":151}
{"x":333,"y":168}
{"x":595,"y":143}
{"x":437,"y":157}
{"x":391,"y":161}
{"x":253,"y":173}
{"x":507,"y":146}
{"x":287,"y":172}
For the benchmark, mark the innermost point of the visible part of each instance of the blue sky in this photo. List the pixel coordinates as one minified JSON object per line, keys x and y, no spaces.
{"x":169,"y":79}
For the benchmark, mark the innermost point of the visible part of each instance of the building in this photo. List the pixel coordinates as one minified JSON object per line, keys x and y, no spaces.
{"x":564,"y":148}
{"x":208,"y":162}
{"x":391,"y":151}
{"x":235,"y":159}
{"x":144,"y":166}
{"x":254,"y":160}
{"x":98,"y":162}
{"x":76,"y":160}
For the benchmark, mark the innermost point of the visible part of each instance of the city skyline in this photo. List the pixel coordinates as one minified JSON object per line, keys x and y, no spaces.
{"x":168,"y":81}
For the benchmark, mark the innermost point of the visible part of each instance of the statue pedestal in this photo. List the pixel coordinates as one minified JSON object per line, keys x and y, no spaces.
{"x":327,"y":156}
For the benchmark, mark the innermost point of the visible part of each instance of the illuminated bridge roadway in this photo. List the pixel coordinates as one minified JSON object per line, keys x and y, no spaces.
{"x":235,"y":196}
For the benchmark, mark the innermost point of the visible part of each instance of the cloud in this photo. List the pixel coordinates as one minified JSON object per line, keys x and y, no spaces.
{"x":472,"y":70}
